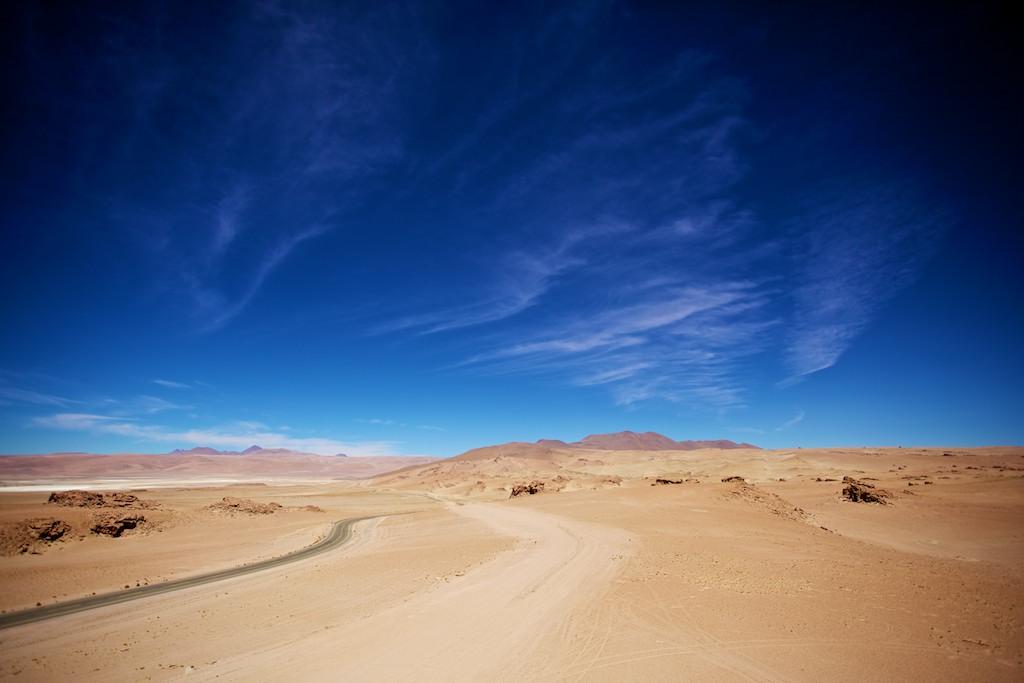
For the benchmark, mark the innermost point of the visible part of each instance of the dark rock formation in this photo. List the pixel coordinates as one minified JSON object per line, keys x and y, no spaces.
{"x":245,"y":505}
{"x":535,"y":486}
{"x":32,"y":535}
{"x":862,"y":492}
{"x":91,"y":499}
{"x":115,"y":525}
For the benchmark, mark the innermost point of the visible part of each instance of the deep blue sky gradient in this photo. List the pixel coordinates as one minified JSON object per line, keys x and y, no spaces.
{"x":422,"y":227}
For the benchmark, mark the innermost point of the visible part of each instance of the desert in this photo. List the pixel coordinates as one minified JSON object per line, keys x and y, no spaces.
{"x":468,"y":342}
{"x":543,"y":561}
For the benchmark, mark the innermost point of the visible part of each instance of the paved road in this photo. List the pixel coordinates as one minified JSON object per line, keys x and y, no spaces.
{"x":340,"y":534}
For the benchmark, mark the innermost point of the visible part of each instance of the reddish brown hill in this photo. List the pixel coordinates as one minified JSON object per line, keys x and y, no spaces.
{"x":628,"y":441}
{"x":543,"y":449}
{"x":650,"y":441}
{"x":518,"y":449}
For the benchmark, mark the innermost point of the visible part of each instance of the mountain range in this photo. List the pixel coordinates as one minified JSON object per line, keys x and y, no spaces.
{"x":640,"y":441}
{"x":251,"y":450}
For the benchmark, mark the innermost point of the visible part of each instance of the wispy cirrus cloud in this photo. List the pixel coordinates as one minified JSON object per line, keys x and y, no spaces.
{"x":692,"y":293}
{"x":647,"y":238}
{"x":521,"y":280}
{"x":217,"y":309}
{"x":383,"y":422}
{"x":680,"y":344}
{"x":141,"y":404}
{"x":171,"y":384}
{"x":318,"y":91}
{"x":234,"y":435}
{"x":857,"y":247}
{"x":229,"y":219}
{"x":792,"y":422}
{"x":155,"y":404}
{"x":14,"y":394}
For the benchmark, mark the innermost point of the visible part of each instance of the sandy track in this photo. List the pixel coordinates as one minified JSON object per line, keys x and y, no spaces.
{"x":493,"y":623}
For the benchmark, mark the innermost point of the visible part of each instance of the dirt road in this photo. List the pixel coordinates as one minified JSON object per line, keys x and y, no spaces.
{"x":492,"y":623}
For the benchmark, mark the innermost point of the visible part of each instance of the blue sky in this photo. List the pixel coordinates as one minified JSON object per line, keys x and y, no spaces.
{"x":419,"y":228}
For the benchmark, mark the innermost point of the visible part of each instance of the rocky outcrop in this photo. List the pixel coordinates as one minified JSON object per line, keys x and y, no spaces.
{"x":116,"y":525}
{"x":246,"y":506}
{"x":664,"y":481}
{"x":77,"y":499}
{"x":32,"y":535}
{"x":857,"y":491}
{"x":534,"y":487}
{"x":766,"y":500}
{"x":48,"y":530}
{"x":92,"y":499}
{"x":734,"y":479}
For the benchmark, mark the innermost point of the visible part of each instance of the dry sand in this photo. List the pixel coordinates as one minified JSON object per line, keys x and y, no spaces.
{"x":606,"y":575}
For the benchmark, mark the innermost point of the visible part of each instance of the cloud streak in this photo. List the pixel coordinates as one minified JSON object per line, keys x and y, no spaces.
{"x":381,"y":422}
{"x":650,"y":292}
{"x":17,"y":395}
{"x":858,"y":247}
{"x":663,"y":285}
{"x":318,"y":91}
{"x":170,"y":384}
{"x":217,"y":310}
{"x":792,"y":422}
{"x":232,"y":436}
{"x":523,"y":279}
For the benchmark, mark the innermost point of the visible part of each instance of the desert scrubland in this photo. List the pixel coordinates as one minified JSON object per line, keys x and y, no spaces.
{"x":622,"y":564}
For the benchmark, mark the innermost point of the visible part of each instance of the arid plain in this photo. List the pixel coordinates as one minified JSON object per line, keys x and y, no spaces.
{"x":619,"y":558}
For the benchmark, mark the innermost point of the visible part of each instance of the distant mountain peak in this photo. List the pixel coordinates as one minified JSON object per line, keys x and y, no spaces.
{"x":198,"y":450}
{"x":252,"y":449}
{"x":616,"y":441}
{"x":628,"y":441}
{"x":649,"y":441}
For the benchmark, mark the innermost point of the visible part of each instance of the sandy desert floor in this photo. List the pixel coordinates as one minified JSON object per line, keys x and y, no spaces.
{"x":606,"y":575}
